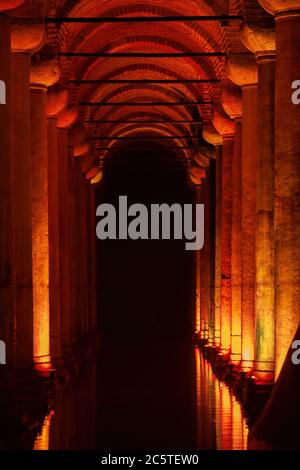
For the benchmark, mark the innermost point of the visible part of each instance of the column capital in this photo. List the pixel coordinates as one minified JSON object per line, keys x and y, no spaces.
{"x":10,"y":4}
{"x":29,"y":36}
{"x":45,"y":72}
{"x":284,"y":7}
{"x":211,"y":135}
{"x":86,"y":162}
{"x":223,"y":124}
{"x":67,"y":118}
{"x":231,"y":99}
{"x":81,"y":150}
{"x":260,"y":41}
{"x":196,"y":173}
{"x":98,"y":177}
{"x":77,"y":135}
{"x":242,"y":70}
{"x":57,"y":101}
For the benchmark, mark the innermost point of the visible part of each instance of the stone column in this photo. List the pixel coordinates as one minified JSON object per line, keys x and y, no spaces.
{"x":40,"y":226}
{"x":25,"y":40}
{"x":218,"y":248}
{"x":64,"y":121}
{"x":207,"y":255}
{"x":93,"y":263}
{"x":54,"y":241}
{"x":56,"y":102}
{"x":21,"y":165}
{"x":197,"y":273}
{"x":262,"y":43}
{"x":243,"y":72}
{"x":232,"y":103}
{"x":7,"y":325}
{"x":203,"y":280}
{"x":41,"y":77}
{"x":226,"y":129}
{"x":213,"y":137}
{"x":22,"y":44}
{"x":236,"y":246}
{"x":287,"y":176}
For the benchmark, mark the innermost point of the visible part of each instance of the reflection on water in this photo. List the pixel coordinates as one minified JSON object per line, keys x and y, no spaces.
{"x":42,"y":439}
{"x":145,"y":398}
{"x":220,"y":421}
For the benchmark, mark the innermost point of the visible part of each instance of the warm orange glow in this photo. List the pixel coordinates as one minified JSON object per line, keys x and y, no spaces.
{"x":239,"y":427}
{"x":247,"y":352}
{"x":197,"y":292}
{"x":236,"y":347}
{"x":97,"y":178}
{"x":40,"y":238}
{"x":41,"y":292}
{"x":226,"y":418}
{"x":42,"y":440}
{"x":226,"y":412}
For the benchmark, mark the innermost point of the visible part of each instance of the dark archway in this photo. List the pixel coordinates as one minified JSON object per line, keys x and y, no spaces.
{"x":146,"y":285}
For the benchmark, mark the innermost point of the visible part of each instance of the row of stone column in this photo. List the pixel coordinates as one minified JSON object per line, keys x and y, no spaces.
{"x":47,"y":270}
{"x":256,"y":252}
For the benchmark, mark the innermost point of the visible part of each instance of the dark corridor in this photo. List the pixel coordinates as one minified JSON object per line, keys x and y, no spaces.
{"x":146,"y":291}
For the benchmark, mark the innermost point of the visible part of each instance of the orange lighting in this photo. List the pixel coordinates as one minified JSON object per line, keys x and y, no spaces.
{"x":42,"y":440}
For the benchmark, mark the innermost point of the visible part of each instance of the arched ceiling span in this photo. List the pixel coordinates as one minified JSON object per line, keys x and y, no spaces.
{"x":108,"y":90}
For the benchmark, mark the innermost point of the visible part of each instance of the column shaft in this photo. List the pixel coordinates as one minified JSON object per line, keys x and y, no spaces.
{"x":40,"y":226}
{"x":93,"y":263}
{"x":64,"y":228}
{"x":287,"y":184}
{"x":236,"y":240}
{"x":6,"y":221}
{"x":22,"y":187}
{"x":218,"y":247}
{"x":226,"y":243}
{"x":249,"y":157}
{"x":54,"y":241}
{"x":197,"y":272}
{"x":265,"y":263}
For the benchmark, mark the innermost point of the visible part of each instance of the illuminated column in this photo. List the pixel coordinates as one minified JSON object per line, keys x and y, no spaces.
{"x":243,"y":72}
{"x":236,"y":244}
{"x":232,"y":103}
{"x":287,"y":176}
{"x":93,"y":263}
{"x":213,"y":137}
{"x":21,"y":169}
{"x":64,"y":121}
{"x":218,"y":244}
{"x":25,"y":39}
{"x":22,"y":44}
{"x":197,"y":176}
{"x":75,"y":249}
{"x":41,"y":77}
{"x":203,"y":254}
{"x":85,"y":241}
{"x":206,"y":259}
{"x":82,"y":208}
{"x":6,"y":246}
{"x":226,"y":129}
{"x":262,"y":43}
{"x":198,"y":271}
{"x":56,"y":102}
{"x":207,"y":255}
